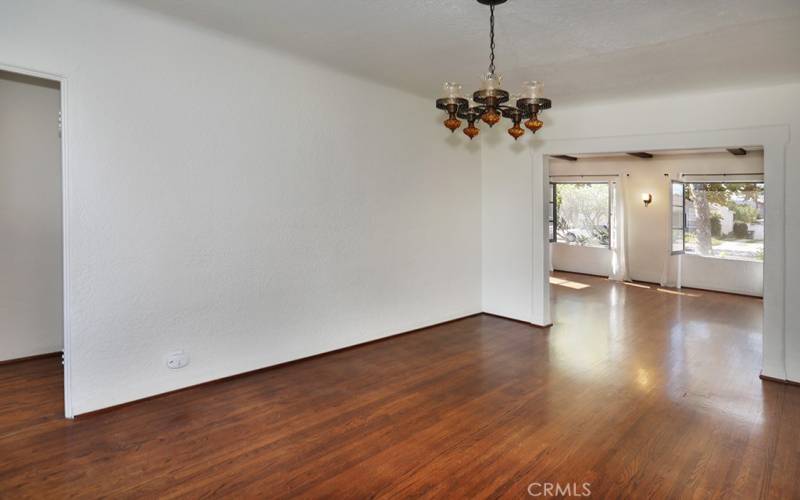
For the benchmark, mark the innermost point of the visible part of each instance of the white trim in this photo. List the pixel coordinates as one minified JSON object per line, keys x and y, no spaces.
{"x":582,"y":179}
{"x":540,"y":270}
{"x":717,"y":178}
{"x":772,"y":138}
{"x":62,"y":80}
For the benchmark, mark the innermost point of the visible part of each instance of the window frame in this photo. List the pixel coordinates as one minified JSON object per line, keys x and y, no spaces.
{"x":553,"y":222}
{"x":685,"y":192}
{"x":672,"y":208}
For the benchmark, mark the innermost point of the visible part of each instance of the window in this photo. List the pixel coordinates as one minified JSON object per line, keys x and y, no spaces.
{"x":581,"y":214}
{"x":725,"y":220}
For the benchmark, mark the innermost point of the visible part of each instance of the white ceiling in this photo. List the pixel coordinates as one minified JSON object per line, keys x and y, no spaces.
{"x":581,"y":49}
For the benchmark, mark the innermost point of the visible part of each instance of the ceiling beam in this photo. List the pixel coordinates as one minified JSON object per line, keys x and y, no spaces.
{"x":565,"y":157}
{"x":642,"y":154}
{"x":737,"y":151}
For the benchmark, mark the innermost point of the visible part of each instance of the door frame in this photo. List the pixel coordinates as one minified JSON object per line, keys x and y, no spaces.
{"x":773,"y":139}
{"x":63,"y":86}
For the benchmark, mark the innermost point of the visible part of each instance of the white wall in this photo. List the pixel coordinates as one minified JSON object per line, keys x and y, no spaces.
{"x":509,"y":186}
{"x":506,"y":225}
{"x":580,"y":259}
{"x":735,"y":276}
{"x":246,"y":206}
{"x":647,"y":226}
{"x":31,"y":313}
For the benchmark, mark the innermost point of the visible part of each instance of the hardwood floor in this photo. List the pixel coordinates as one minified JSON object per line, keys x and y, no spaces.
{"x":639,"y":392}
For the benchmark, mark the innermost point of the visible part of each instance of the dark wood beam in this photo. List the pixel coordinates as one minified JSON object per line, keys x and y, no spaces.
{"x":737,"y":151}
{"x":642,"y":154}
{"x":565,"y":157}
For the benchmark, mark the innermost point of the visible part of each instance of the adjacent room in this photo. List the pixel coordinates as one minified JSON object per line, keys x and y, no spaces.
{"x":462,"y":249}
{"x":675,"y":218}
{"x":31,"y":310}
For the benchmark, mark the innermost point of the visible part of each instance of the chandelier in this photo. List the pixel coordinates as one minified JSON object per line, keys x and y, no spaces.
{"x":489,"y":102}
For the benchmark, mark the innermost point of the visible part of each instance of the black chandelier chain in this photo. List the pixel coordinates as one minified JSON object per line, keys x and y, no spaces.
{"x":491,"y":39}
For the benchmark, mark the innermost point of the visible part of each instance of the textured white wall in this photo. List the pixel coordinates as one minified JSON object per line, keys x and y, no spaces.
{"x":507,"y":181}
{"x":507,"y":218}
{"x":240,"y":204}
{"x":31,"y":312}
{"x":577,"y":259}
{"x":647,"y":231}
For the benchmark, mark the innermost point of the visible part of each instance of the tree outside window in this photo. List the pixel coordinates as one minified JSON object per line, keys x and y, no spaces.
{"x":725,"y":220}
{"x":583,"y":214}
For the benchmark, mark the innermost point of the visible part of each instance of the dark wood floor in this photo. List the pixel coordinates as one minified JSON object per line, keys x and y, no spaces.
{"x":640,"y":392}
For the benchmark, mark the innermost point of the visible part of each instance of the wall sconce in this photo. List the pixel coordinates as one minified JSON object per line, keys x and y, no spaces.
{"x":647,"y":198}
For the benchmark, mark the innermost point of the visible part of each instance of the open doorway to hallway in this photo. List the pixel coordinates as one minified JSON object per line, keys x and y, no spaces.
{"x":31,"y":234}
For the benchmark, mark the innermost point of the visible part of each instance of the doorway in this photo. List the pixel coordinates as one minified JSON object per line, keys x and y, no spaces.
{"x":31,"y":225}
{"x":772,"y":139}
{"x":685,"y":218}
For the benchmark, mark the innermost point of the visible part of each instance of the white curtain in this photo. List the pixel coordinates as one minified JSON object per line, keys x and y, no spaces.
{"x":671,"y":272}
{"x":619,"y":232}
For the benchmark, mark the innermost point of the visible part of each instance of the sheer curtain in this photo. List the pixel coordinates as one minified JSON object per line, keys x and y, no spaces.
{"x":619,"y":232}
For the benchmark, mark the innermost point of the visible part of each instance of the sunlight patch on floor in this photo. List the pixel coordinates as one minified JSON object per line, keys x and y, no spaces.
{"x":637,"y":285}
{"x":569,"y":284}
{"x":643,"y":378}
{"x":678,"y":292}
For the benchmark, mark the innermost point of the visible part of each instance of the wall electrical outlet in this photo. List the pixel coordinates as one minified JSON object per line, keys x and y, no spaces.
{"x":177,"y":359}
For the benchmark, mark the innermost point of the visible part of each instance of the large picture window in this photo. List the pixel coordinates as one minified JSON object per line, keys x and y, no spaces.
{"x":725,"y":219}
{"x":581,"y":214}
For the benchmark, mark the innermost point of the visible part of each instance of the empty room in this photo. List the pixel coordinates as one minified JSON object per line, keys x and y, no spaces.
{"x":399,"y":249}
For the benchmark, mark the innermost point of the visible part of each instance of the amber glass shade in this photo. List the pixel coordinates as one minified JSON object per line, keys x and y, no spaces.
{"x":472,"y":130}
{"x":516,"y":131}
{"x":490,"y":117}
{"x":452,"y":123}
{"x":534,"y":124}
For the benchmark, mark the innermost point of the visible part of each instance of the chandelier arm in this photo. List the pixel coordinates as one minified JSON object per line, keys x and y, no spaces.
{"x":512,"y":111}
{"x":474,"y":112}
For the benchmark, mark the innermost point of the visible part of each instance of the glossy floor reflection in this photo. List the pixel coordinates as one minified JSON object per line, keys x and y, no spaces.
{"x":638,"y":392}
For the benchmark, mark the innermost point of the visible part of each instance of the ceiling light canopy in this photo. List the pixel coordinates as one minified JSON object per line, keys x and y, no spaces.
{"x":488,"y":103}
